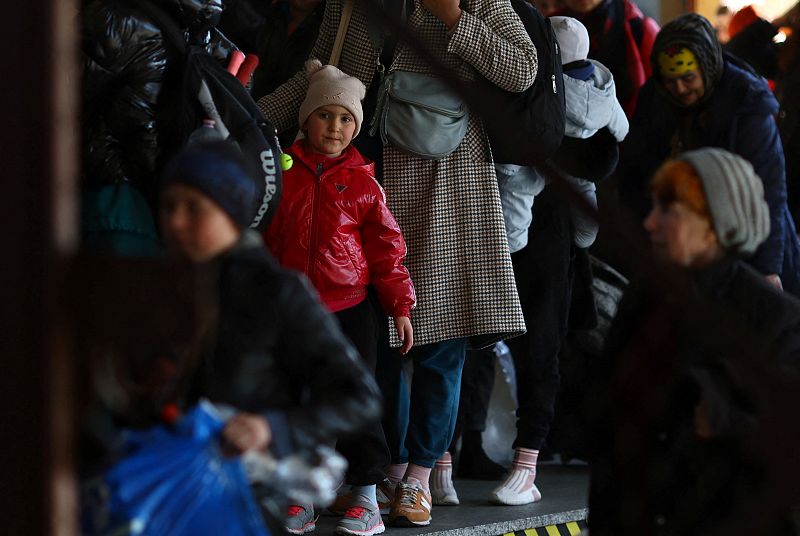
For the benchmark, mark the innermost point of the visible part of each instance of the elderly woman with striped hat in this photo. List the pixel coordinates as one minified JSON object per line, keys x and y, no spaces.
{"x":691,"y":426}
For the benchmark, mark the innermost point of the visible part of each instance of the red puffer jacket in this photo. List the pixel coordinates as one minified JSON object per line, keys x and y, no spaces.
{"x":333,"y":224}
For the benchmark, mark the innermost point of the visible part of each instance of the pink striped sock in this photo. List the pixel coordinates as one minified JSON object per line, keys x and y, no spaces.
{"x":525,"y":459}
{"x":442,"y":475}
{"x":442,"y":489}
{"x":445,"y":462}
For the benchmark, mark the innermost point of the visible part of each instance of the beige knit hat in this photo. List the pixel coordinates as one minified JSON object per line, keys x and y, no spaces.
{"x":329,"y":85}
{"x":735,"y":195}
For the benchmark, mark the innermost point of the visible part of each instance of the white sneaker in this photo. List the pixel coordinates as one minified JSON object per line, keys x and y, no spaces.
{"x":518,"y":489}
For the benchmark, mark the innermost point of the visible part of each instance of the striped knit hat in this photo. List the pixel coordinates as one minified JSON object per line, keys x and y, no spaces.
{"x":694,"y":32}
{"x":735,"y":196}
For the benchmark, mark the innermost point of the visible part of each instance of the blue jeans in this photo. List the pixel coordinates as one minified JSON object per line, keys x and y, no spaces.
{"x":419,"y":420}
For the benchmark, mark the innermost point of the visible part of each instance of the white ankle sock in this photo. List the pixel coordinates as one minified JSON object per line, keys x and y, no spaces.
{"x":368,"y":492}
{"x":442,"y":490}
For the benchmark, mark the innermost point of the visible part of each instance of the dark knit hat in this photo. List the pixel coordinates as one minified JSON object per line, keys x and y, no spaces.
{"x":694,"y":32}
{"x":735,"y":196}
{"x":218,"y":170}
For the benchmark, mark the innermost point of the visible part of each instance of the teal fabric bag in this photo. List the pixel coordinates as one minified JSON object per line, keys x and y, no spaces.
{"x":420,"y":115}
{"x":116,"y":219}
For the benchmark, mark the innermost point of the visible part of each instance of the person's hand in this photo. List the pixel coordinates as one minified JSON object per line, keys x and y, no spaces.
{"x":404,"y":332}
{"x":447,"y":11}
{"x":245,"y":432}
{"x":775,"y":281}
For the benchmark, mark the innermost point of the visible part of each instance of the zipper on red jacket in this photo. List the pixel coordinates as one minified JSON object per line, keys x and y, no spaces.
{"x":312,"y":243}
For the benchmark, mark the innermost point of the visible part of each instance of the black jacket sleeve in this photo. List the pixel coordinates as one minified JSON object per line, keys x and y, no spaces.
{"x":592,"y":159}
{"x":125,"y":58}
{"x":340,"y":395}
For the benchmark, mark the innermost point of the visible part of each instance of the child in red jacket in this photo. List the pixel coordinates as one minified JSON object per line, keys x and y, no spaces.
{"x":333,"y":224}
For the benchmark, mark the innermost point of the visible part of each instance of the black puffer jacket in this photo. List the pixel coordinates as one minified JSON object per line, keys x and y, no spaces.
{"x":125,"y":61}
{"x":282,"y":53}
{"x":278,"y":353}
{"x":733,"y":349}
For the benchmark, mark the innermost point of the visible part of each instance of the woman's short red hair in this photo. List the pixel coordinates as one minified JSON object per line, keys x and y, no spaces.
{"x":677,"y":181}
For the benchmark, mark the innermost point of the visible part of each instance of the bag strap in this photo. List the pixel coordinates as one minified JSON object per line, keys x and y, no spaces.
{"x":344,"y":22}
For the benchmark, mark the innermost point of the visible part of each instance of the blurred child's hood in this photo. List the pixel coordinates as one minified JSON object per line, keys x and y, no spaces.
{"x":592,"y":104}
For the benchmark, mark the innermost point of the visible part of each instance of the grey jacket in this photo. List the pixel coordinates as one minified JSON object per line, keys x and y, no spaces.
{"x":592,"y":104}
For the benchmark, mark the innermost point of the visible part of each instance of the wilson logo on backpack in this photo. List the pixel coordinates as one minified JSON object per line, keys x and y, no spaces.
{"x":270,"y":185}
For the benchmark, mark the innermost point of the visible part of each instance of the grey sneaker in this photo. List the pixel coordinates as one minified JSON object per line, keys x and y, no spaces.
{"x":300,"y":519}
{"x":362,"y":519}
{"x":384,"y":492}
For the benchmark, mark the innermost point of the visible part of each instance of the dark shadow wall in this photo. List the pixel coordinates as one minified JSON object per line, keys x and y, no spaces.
{"x":38,"y":205}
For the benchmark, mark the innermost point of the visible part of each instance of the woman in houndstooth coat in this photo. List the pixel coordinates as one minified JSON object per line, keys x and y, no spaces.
{"x":449,"y":210}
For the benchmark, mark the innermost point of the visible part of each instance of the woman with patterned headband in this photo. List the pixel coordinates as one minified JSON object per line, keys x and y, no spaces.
{"x":700,"y":96}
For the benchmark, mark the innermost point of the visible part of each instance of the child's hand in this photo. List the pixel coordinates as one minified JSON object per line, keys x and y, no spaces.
{"x":245,"y":432}
{"x":404,"y":332}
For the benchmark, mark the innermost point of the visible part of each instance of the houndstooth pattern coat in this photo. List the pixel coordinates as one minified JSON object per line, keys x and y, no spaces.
{"x":449,"y":210}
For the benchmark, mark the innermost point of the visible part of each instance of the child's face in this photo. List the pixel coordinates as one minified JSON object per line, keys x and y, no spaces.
{"x":329,"y":129}
{"x":193,"y":225}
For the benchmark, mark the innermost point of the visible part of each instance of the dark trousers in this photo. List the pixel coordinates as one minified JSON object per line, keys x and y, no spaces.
{"x":366,"y":451}
{"x":543,"y":276}
{"x":477,"y":381}
{"x":419,"y":419}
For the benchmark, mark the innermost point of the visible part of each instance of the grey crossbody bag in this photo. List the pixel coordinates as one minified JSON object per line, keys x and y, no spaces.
{"x":416,"y":112}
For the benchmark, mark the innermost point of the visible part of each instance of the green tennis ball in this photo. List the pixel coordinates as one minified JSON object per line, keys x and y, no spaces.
{"x":286,"y":161}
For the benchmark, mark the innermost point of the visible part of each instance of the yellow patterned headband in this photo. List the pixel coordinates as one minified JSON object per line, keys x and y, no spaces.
{"x":677,"y":61}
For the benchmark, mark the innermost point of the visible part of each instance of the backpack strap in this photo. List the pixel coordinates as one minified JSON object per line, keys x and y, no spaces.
{"x":344,"y":22}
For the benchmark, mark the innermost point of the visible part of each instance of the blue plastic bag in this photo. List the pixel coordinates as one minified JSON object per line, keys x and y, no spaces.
{"x":173,"y":481}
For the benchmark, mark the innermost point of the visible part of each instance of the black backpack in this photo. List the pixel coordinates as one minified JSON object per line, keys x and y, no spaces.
{"x":205,"y":90}
{"x":538,"y":113}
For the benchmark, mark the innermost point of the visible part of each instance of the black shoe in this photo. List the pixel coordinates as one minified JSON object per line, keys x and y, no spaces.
{"x":473,"y":463}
